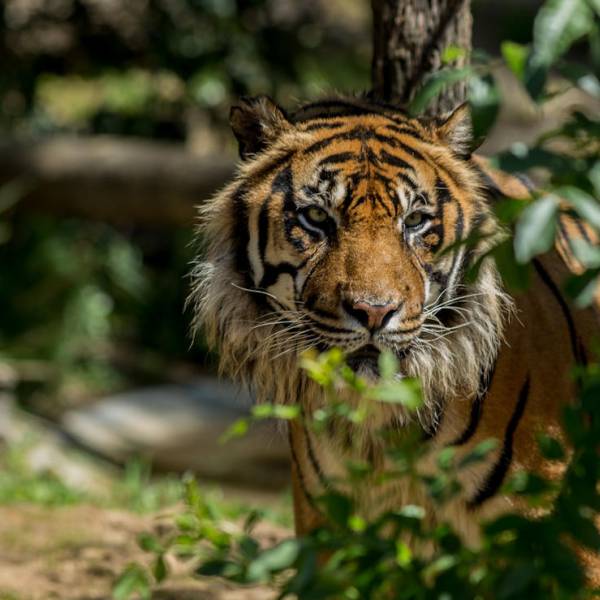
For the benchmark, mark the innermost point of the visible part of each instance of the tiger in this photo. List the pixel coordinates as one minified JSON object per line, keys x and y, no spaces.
{"x":346,"y":226}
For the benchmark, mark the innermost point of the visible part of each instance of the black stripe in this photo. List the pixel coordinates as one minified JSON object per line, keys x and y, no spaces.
{"x":332,"y":329}
{"x":263,"y":228}
{"x":325,"y":125}
{"x":409,"y":150}
{"x":377,"y":199}
{"x":260,"y":174}
{"x":338,"y":158}
{"x":582,"y":230}
{"x":395,"y":161}
{"x":341,"y":107}
{"x":492,"y":191}
{"x":525,"y":181}
{"x":349,"y":197}
{"x":498,"y":473}
{"x":407,"y":180}
{"x":485,"y":383}
{"x":272,"y":273}
{"x":438,"y":168}
{"x":407,"y":330}
{"x":323,"y":314}
{"x":242,"y":235}
{"x":431,"y":430}
{"x":405,"y":130}
{"x":357,"y":133}
{"x":301,"y":479}
{"x":442,"y":192}
{"x":460,"y":221}
{"x":313,"y":459}
{"x":575,"y":343}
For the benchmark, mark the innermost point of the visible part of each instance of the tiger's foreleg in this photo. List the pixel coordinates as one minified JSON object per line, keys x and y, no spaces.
{"x":307,"y":516}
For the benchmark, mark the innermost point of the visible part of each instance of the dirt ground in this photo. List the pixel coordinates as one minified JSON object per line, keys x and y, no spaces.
{"x":76,"y":552}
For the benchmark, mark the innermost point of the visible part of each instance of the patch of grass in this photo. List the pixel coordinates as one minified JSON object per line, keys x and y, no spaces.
{"x":18,"y":483}
{"x":9,"y":596}
{"x":134,"y":489}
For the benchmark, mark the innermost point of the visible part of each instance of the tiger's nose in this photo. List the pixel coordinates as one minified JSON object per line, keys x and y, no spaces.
{"x":372,"y":316}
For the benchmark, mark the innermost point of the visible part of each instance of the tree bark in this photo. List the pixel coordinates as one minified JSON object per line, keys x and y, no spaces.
{"x":409,"y":38}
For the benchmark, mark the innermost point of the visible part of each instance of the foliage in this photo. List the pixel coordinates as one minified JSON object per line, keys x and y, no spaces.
{"x":81,"y":296}
{"x":181,"y":55}
{"x":519,"y":557}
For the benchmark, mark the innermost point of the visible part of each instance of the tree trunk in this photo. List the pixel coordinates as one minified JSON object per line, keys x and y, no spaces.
{"x":409,"y":38}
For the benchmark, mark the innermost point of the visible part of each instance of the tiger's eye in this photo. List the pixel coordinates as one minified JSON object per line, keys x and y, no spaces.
{"x":316,"y":215}
{"x":414,"y":219}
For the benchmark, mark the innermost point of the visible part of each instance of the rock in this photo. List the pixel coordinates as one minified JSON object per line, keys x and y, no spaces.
{"x":44,"y":448}
{"x":178,"y":428}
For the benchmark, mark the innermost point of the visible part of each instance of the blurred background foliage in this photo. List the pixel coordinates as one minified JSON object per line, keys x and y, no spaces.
{"x":89,"y":307}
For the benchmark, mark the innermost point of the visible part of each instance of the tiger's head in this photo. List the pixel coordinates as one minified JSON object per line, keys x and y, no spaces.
{"x":344,"y":228}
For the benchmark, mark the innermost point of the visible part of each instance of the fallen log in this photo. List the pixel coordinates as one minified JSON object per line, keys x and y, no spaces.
{"x":112,"y":179}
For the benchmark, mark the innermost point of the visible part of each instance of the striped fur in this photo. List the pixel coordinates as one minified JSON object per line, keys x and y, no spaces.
{"x":349,"y":202}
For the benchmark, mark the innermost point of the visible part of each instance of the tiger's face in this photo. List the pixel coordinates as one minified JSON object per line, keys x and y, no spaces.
{"x":352,"y":226}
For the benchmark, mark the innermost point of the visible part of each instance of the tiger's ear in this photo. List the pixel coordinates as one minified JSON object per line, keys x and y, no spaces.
{"x":456,"y":130}
{"x":256,"y":122}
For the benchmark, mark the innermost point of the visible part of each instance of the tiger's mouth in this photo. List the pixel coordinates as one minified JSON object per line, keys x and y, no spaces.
{"x":365,"y":360}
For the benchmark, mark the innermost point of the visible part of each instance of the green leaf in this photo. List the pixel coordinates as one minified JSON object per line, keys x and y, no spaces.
{"x":558,"y":24}
{"x":587,"y":254}
{"x":150,"y":543}
{"x":405,"y":391}
{"x":357,"y":523}
{"x":286,"y":412}
{"x":515,"y":56}
{"x":263,"y":411}
{"x":133,"y":580}
{"x":412,"y":511}
{"x":514,"y":275}
{"x":237,"y":429}
{"x":337,"y":507}
{"x":536,"y":229}
{"x":527,"y":484}
{"x":594,"y":177}
{"x":388,"y":365}
{"x":160,"y":570}
{"x":586,"y":206}
{"x":440,"y":565}
{"x":484,"y":100}
{"x":249,"y":547}
{"x":403,"y":554}
{"x":587,"y":296}
{"x":550,"y":447}
{"x":445,"y":458}
{"x":186,"y":522}
{"x":434,"y":85}
{"x":273,"y":560}
{"x":479,"y":453}
{"x":452,"y":53}
{"x":514,"y":583}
